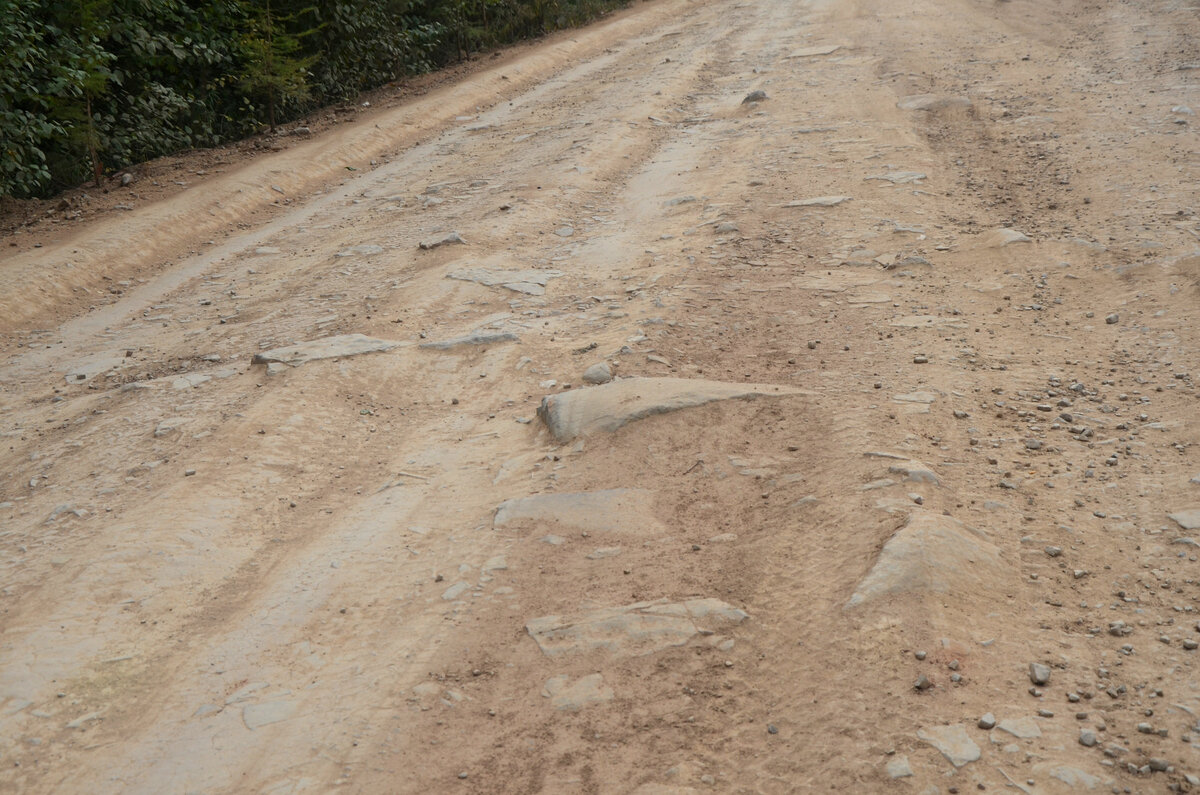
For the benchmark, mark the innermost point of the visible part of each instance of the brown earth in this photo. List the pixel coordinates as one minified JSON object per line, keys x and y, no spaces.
{"x":221,"y":576}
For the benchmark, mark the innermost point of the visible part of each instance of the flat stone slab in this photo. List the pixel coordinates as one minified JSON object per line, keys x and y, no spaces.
{"x":1188,"y":519}
{"x":327,"y":348}
{"x":359,"y":251}
{"x":898,"y":177}
{"x":915,"y":472}
{"x":632,"y":630}
{"x":448,"y":239}
{"x":530,"y":282}
{"x":953,"y":741}
{"x":1021,"y":728}
{"x":818,"y":201}
{"x":572,"y":697}
{"x":593,"y":511}
{"x":474,"y":338}
{"x":932,"y":102}
{"x":256,"y":715}
{"x":932,"y":553}
{"x":809,"y":52}
{"x":998,"y":238}
{"x":608,"y":407}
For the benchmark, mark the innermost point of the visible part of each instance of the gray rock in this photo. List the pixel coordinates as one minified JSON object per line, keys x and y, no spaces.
{"x":474,"y":338}
{"x":257,"y":715}
{"x":898,"y":767}
{"x":359,"y":251}
{"x":608,"y":407}
{"x":932,"y":553}
{"x":953,"y":742}
{"x":456,"y":590}
{"x":604,"y":552}
{"x":1087,"y":738}
{"x":593,"y":511}
{"x":1021,"y":728}
{"x":809,"y":52}
{"x":631,"y":630}
{"x":1188,"y":519}
{"x":819,"y":201}
{"x":932,"y":102}
{"x":327,"y":348}
{"x":998,"y":238}
{"x":987,"y":722}
{"x":1039,"y":674}
{"x":898,"y":177}
{"x":565,"y":231}
{"x":1112,"y":319}
{"x":754,"y":96}
{"x":573,"y":697}
{"x":1073,"y":777}
{"x":914,"y":472}
{"x":530,"y":282}
{"x":451,"y":238}
{"x":599,"y":373}
{"x":726,"y":227}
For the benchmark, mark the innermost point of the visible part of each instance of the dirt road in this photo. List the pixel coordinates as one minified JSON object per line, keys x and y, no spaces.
{"x":911,"y":449}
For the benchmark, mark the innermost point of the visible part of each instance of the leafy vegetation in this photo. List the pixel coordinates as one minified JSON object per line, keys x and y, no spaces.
{"x":88,"y":87}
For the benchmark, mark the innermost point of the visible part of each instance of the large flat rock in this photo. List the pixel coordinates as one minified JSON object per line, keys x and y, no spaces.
{"x":1188,"y":519}
{"x":531,"y":282}
{"x":631,"y":630}
{"x":327,"y":348}
{"x":953,"y":741}
{"x":608,"y":407}
{"x":932,"y":553}
{"x":594,"y":511}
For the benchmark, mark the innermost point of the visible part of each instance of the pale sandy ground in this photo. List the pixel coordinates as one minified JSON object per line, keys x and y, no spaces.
{"x":329,"y":603}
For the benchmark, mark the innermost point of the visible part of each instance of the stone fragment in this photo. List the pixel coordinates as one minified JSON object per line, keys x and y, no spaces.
{"x":474,"y":338}
{"x":754,"y":96}
{"x":1039,"y":674}
{"x":898,"y":767}
{"x":1021,"y":728}
{"x":953,"y":742}
{"x":818,"y":201}
{"x":631,"y":630}
{"x":809,"y":52}
{"x":1188,"y":519}
{"x":327,"y":348}
{"x":898,"y":177}
{"x":609,"y":407}
{"x":530,"y":282}
{"x":266,"y":713}
{"x":998,"y":238}
{"x":932,"y":553}
{"x":630,"y":510}
{"x":359,"y":251}
{"x":599,"y":373}
{"x":987,"y":722}
{"x":450,"y":238}
{"x":914,"y":472}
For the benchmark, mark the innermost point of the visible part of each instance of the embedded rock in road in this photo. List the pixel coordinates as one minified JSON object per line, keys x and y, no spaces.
{"x":998,"y":238}
{"x":573,"y":697}
{"x":632,"y":630}
{"x":915,"y":472}
{"x":530,"y":282}
{"x":359,"y":251}
{"x":450,"y":238}
{"x":932,"y":553}
{"x":608,"y":407}
{"x":953,"y":742}
{"x":932,"y":102}
{"x":1188,"y":520}
{"x":898,"y":177}
{"x":474,"y":338}
{"x":256,"y":715}
{"x":593,"y":511}
{"x":327,"y":348}
{"x":818,"y":201}
{"x":809,"y":52}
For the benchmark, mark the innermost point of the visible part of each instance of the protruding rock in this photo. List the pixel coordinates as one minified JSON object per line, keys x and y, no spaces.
{"x":327,"y":348}
{"x":1039,"y":674}
{"x":932,"y":553}
{"x":448,"y":239}
{"x":530,"y":282}
{"x":594,"y":511}
{"x":754,"y":96}
{"x":953,"y":742}
{"x":474,"y":338}
{"x":632,"y":630}
{"x":599,"y":373}
{"x":608,"y":407}
{"x":819,"y":201}
{"x":998,"y":238}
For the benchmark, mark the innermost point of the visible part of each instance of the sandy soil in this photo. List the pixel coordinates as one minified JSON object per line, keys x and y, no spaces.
{"x":222,"y":576}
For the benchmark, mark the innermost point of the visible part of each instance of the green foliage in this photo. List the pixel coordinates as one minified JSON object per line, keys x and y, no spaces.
{"x":88,"y":87}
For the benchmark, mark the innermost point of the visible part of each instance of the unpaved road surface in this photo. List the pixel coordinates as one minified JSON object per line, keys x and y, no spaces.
{"x":934,"y":427}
